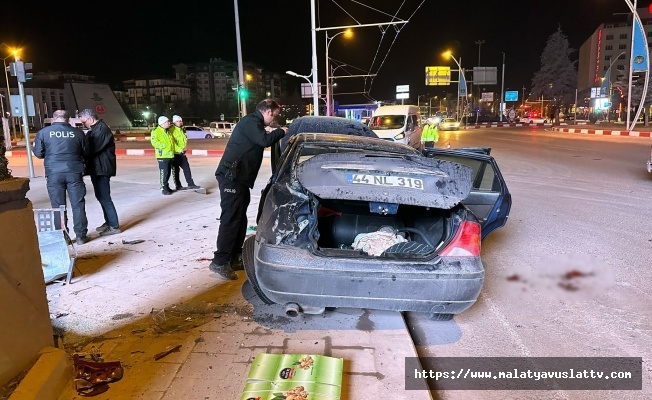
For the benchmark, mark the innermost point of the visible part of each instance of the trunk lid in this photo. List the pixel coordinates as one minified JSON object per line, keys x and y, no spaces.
{"x":386,"y":178}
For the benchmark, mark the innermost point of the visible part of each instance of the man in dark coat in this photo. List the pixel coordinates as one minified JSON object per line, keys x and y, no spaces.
{"x":64,"y":149}
{"x":236,"y":174}
{"x":101,"y":166}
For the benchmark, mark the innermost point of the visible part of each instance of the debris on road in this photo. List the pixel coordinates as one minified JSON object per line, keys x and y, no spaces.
{"x":162,"y":354}
{"x":132,"y":241}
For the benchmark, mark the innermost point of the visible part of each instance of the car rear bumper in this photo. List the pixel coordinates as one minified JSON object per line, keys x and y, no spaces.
{"x":447,"y":285}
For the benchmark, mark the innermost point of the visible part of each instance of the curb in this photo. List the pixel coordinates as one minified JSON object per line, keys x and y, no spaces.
{"x":604,"y":132}
{"x":47,"y":378}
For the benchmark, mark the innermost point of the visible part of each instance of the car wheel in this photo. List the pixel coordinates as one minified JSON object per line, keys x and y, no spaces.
{"x":440,"y":317}
{"x":248,"y":261}
{"x":208,"y":136}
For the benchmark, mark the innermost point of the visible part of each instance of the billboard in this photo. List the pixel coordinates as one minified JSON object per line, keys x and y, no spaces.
{"x":437,"y":76}
{"x":488,"y":96}
{"x":100,"y":98}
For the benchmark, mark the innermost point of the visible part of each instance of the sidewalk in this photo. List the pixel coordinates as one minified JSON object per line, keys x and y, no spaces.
{"x":132,"y":301}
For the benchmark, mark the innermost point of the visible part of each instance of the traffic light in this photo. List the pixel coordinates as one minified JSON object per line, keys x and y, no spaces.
{"x":243,"y":93}
{"x":18,"y":69}
{"x":28,"y":75}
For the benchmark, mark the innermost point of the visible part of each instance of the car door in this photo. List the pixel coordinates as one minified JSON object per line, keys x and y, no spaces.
{"x":489,"y":199}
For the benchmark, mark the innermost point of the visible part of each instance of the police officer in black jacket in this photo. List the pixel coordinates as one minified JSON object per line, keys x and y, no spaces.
{"x":64,"y":149}
{"x":236,"y":174}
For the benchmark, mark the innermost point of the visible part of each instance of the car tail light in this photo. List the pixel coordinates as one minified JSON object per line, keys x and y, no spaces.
{"x":466,"y":242}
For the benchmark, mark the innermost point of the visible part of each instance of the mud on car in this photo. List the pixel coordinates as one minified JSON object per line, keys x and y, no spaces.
{"x":349,"y":220}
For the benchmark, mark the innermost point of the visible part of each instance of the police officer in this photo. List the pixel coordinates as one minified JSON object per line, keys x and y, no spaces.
{"x":180,"y":159}
{"x":64,"y":149}
{"x":163,"y":143}
{"x":236,"y":174}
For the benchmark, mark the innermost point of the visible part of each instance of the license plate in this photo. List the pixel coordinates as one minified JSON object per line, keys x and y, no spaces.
{"x":382,"y":180}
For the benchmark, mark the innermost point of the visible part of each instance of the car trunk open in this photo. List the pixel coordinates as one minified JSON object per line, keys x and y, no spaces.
{"x":383,"y":205}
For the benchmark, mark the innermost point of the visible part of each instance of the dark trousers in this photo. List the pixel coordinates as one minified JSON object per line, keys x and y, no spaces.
{"x":102,"y":189}
{"x":181,"y":162}
{"x":72,"y":184}
{"x":234,"y":200}
{"x":429,"y":144}
{"x":165,"y":170}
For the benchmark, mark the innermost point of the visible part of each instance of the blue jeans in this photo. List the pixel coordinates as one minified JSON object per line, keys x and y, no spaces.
{"x":102,"y":188}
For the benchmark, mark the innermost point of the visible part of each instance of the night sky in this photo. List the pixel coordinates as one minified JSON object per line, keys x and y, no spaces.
{"x":117,"y":40}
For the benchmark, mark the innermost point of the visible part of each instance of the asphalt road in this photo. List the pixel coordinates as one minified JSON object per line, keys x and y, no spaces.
{"x":568,"y":276}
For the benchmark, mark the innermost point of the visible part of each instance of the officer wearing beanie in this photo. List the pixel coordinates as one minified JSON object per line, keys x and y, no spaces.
{"x":64,"y":149}
{"x":180,"y":159}
{"x":163,"y":143}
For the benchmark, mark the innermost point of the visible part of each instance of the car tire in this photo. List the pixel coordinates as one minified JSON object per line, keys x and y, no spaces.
{"x":248,"y":261}
{"x":208,"y":136}
{"x":440,"y":317}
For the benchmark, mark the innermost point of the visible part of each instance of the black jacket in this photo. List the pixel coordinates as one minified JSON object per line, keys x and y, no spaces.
{"x":101,"y":160}
{"x":243,"y":154}
{"x":63,"y":147}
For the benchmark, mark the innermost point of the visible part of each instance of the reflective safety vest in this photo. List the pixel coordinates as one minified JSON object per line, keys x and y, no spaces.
{"x":163,"y":142}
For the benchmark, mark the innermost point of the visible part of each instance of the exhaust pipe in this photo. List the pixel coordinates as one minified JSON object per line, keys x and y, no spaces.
{"x":292,"y":310}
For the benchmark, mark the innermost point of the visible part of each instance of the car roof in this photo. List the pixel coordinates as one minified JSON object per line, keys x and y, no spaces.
{"x":338,"y":140}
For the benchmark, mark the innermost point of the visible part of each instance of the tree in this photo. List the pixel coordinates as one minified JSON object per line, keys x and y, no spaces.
{"x":621,"y":87}
{"x":557,"y":78}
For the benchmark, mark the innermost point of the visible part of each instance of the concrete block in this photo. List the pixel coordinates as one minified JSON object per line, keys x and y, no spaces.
{"x":47,"y":378}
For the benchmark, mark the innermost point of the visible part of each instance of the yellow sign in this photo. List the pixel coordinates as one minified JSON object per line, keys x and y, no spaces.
{"x":436,"y":76}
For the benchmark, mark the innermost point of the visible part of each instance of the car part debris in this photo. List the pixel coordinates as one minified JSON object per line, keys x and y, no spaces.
{"x":132,"y":241}
{"x":93,"y":378}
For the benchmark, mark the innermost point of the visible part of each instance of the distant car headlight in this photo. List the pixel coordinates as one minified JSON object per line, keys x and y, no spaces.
{"x":400,"y":136}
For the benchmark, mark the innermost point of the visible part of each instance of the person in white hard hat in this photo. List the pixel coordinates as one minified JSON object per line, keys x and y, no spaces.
{"x":163,"y":143}
{"x":180,"y":159}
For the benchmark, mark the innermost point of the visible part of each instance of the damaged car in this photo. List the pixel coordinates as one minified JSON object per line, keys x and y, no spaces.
{"x":349,"y":220}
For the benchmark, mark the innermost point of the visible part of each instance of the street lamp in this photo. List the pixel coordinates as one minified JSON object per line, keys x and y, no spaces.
{"x":307,"y":78}
{"x":461,"y":85}
{"x":347,"y":33}
{"x":14,"y":52}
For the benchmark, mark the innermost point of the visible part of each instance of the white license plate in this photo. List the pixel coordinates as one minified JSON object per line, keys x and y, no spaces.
{"x":382,"y":180}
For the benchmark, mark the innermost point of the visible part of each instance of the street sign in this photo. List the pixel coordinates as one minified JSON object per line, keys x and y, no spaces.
{"x":607,"y":104}
{"x":511,"y":95}
{"x":17,"y":107}
{"x":438,"y":76}
{"x":402,"y":88}
{"x":221,"y":117}
{"x":485,"y":75}
{"x":402,"y":96}
{"x":487,"y":96}
{"x":512,"y":114}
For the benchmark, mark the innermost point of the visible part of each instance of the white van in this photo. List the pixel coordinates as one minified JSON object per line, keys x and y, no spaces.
{"x":398,"y":123}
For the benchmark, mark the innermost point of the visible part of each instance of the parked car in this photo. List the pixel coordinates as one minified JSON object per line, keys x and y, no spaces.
{"x":449,"y":124}
{"x":222,"y":129}
{"x":649,"y":162}
{"x":533,"y":118}
{"x":354,"y":221}
{"x":197,"y":132}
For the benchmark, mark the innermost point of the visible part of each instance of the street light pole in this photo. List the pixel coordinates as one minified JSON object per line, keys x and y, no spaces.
{"x":328,"y":77}
{"x":13,"y":129}
{"x":28,"y":143}
{"x":243,"y":101}
{"x":502,"y":91}
{"x":449,"y":54}
{"x":315,"y":83}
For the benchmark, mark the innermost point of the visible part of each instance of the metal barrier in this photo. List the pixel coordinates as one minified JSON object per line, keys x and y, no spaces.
{"x":58,"y":253}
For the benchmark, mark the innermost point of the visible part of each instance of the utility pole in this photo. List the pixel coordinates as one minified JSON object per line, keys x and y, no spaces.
{"x":502,"y":91}
{"x":21,"y":77}
{"x":241,"y":84}
{"x":479,"y":43}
